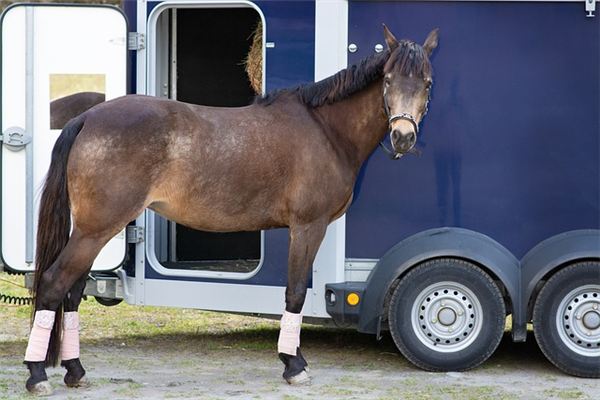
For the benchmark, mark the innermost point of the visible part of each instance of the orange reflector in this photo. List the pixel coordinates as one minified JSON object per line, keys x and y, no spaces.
{"x":352,"y":299}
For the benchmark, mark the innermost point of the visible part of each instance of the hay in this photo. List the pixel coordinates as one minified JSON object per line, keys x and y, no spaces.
{"x":254,"y":60}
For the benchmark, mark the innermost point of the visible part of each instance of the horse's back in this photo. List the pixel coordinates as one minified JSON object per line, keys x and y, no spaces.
{"x":119,"y":155}
{"x":188,"y":163}
{"x":219,"y":169}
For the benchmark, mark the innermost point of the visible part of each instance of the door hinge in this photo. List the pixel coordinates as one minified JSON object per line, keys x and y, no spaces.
{"x":135,"y":234}
{"x":590,"y":8}
{"x":136,"y":41}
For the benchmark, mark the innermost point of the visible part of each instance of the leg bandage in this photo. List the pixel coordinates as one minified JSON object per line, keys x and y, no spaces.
{"x":37,"y":348}
{"x":70,"y":341}
{"x":289,"y":334}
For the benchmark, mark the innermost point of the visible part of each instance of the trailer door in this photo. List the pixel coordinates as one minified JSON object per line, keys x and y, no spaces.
{"x":50,"y":52}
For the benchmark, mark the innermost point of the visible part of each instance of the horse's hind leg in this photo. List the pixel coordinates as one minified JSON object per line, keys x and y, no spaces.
{"x":38,"y":384}
{"x":63,"y":283}
{"x":70,"y":343}
{"x":304,"y":244}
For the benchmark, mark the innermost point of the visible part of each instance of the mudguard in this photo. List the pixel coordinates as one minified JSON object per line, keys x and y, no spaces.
{"x":551,"y":255}
{"x":437,"y":243}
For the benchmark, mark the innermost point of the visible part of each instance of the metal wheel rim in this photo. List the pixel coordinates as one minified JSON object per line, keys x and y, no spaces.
{"x":578,"y":320}
{"x":447,"y":317}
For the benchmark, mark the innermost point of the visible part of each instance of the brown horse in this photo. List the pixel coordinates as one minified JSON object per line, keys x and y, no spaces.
{"x":288,"y":160}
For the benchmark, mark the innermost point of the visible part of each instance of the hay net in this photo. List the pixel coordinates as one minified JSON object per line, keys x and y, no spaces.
{"x":253,"y":63}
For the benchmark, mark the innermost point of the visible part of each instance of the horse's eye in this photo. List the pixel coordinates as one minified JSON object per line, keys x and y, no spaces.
{"x":428,"y":85}
{"x":386,"y":82}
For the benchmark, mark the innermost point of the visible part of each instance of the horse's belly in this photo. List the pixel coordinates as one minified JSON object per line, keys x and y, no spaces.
{"x":217,"y":218}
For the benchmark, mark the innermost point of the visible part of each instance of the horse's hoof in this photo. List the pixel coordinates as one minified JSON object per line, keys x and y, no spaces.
{"x":302,"y":379}
{"x":84,"y":382}
{"x":75,"y":376}
{"x":42,"y":388}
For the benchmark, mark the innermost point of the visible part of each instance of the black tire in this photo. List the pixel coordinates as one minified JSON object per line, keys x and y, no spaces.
{"x":447,"y":315}
{"x":566,"y":319}
{"x":108,"y":302}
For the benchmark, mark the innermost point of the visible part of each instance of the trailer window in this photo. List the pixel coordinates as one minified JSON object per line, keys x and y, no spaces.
{"x":72,"y":94}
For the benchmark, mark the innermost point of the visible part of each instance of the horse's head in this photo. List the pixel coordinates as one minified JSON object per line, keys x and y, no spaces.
{"x":406,"y":87}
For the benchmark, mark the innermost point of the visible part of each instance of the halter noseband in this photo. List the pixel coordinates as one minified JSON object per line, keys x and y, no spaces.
{"x":394,"y":155}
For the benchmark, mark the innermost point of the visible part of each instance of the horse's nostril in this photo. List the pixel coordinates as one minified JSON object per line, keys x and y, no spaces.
{"x":403,"y":142}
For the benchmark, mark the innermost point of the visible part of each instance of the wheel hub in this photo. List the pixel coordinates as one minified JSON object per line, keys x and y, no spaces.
{"x":591,"y":319}
{"x":447,"y":316}
{"x":578,"y":320}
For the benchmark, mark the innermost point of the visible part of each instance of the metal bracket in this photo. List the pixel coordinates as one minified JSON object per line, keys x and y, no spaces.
{"x":15,"y":138}
{"x":590,"y":8}
{"x":135,"y":234}
{"x":136,"y":41}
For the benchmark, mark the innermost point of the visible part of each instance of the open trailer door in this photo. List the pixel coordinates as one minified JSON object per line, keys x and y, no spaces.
{"x":50,"y":52}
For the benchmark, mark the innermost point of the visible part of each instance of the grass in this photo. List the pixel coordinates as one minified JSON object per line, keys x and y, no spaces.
{"x":126,"y":321}
{"x":568,"y":393}
{"x":196,"y":331}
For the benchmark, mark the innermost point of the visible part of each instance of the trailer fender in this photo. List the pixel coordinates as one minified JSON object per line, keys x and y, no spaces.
{"x":435,"y":243}
{"x":551,"y":255}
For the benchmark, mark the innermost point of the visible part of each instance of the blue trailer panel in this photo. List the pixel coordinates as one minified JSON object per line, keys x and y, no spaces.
{"x":510,"y":146}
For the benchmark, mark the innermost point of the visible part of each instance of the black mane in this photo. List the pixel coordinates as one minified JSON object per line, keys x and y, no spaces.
{"x":409,"y":58}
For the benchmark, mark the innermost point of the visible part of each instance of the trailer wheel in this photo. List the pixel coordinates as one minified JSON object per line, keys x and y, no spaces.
{"x":447,"y":315}
{"x":108,"y":302}
{"x":566,"y":319}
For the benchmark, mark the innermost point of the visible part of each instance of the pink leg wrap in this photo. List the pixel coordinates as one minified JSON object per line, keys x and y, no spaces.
{"x":70,"y":341}
{"x":37,"y":348}
{"x":289,"y":335}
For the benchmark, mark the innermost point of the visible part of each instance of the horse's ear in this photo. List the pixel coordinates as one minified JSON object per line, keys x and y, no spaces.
{"x":431,"y":42}
{"x":390,"y":40}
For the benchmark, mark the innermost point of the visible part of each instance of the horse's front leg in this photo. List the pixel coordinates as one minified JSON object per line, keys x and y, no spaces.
{"x":304,"y":244}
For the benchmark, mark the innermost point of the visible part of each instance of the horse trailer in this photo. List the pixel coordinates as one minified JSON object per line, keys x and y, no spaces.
{"x":500,"y":215}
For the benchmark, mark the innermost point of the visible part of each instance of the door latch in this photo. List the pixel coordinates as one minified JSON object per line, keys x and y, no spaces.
{"x":15,"y":138}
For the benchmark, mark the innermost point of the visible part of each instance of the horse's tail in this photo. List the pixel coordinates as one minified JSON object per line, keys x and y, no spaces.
{"x":54,"y":225}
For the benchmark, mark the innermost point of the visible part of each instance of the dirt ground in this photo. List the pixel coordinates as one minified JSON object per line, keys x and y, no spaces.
{"x":349,"y":366}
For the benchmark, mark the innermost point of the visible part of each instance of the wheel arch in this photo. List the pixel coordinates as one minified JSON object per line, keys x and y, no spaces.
{"x":459,"y":243}
{"x":551,"y":256}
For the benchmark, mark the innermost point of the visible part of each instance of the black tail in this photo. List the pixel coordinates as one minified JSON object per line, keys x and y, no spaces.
{"x":54,"y":225}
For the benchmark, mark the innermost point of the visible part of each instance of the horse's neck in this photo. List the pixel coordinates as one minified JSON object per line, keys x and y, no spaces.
{"x":358,"y":122}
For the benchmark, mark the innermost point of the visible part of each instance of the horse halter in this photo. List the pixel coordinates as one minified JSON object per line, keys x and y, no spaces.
{"x":394,"y":155}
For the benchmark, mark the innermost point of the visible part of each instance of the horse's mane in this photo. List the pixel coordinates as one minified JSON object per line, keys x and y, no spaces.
{"x":409,"y":58}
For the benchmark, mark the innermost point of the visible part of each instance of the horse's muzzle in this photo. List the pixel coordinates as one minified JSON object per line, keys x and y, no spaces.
{"x":403,"y":142}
